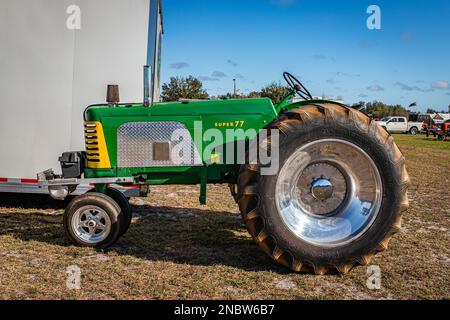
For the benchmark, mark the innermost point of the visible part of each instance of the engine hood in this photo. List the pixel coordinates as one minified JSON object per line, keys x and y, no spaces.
{"x":262,"y":106}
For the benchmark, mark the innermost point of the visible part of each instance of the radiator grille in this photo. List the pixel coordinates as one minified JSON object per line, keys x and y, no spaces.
{"x":96,"y":150}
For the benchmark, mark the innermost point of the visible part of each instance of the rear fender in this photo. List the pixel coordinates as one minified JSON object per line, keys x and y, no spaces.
{"x":300,"y":104}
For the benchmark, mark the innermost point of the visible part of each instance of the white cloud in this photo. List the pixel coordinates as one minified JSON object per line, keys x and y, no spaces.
{"x":375,"y":87}
{"x":406,"y":87}
{"x":219,"y":74}
{"x":443,"y":85}
{"x":233,"y":63}
{"x":319,"y":56}
{"x":179,"y":65}
{"x":349,"y":75}
{"x":206,"y":78}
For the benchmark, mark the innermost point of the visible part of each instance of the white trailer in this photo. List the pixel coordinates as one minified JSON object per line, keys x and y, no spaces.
{"x":56,"y":58}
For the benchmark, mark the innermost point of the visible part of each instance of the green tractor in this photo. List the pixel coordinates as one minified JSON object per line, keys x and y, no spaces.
{"x":329,"y":198}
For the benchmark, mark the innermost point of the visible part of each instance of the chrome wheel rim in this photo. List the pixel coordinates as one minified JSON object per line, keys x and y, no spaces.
{"x":91,"y":224}
{"x":329,"y":192}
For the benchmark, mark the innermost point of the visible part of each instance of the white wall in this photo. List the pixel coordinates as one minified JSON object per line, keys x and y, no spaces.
{"x":50,"y":74}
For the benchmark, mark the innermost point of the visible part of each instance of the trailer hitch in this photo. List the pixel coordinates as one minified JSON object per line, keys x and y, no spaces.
{"x":60,"y":187}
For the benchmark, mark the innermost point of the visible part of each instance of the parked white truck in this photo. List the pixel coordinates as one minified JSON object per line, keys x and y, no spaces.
{"x":400,"y":125}
{"x":56,"y":58}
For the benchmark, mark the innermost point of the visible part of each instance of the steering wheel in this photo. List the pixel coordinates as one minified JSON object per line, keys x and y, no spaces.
{"x":296,"y":85}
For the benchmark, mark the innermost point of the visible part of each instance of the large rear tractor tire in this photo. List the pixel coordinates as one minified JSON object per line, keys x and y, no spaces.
{"x":338,"y":196}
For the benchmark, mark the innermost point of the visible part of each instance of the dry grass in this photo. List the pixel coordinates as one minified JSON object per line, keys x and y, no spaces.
{"x":179,"y":249}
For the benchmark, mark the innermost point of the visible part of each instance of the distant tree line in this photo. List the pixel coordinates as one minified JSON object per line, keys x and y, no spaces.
{"x":274,"y":91}
{"x":192,"y":88}
{"x":378,"y":109}
{"x":432,"y":111}
{"x":183,"y":88}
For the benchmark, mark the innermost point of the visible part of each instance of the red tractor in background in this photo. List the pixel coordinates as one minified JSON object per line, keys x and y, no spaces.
{"x":444,"y":132}
{"x":431,"y":130}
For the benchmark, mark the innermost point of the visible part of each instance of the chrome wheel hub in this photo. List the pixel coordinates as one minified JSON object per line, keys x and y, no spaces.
{"x":322,"y":189}
{"x":91,"y":224}
{"x":329,"y":192}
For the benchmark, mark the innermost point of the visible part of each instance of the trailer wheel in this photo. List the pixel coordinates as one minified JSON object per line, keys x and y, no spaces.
{"x":122,"y":201}
{"x":338,"y":196}
{"x":93,"y":220}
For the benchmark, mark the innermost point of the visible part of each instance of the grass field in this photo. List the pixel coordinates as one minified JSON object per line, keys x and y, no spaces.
{"x":179,"y":249}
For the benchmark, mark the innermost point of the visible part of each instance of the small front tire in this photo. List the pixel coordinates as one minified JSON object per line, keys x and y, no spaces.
{"x":93,"y":220}
{"x":125,"y":207}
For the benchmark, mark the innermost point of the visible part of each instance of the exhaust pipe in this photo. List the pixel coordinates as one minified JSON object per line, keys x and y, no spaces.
{"x":147,"y":73}
{"x":112,"y":94}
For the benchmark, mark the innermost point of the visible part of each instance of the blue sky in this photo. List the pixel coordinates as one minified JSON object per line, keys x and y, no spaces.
{"x":325,"y":42}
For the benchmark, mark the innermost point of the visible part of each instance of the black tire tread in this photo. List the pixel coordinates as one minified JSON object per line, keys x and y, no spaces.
{"x":125,"y":207}
{"x":247,"y":196}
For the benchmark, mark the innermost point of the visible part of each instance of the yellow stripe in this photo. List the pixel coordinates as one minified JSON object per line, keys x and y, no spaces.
{"x":102,"y":160}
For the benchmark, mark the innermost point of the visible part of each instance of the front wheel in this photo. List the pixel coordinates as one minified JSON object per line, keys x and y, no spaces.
{"x":125,"y":207}
{"x":126,"y":214}
{"x":93,"y":220}
{"x":338,"y":195}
